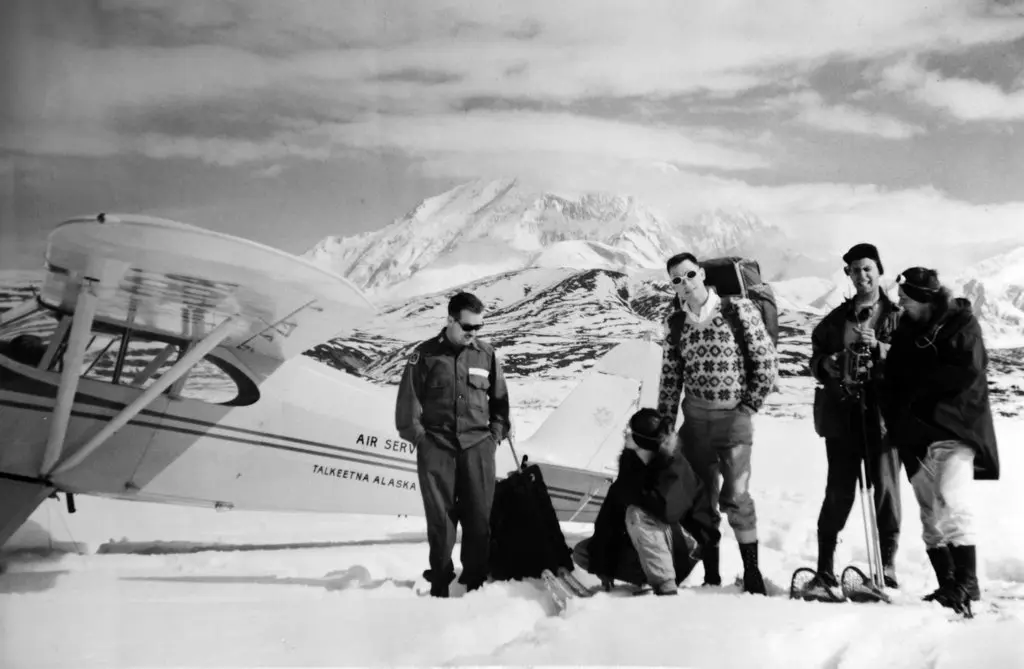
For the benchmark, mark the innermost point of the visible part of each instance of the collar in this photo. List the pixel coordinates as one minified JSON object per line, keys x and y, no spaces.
{"x":710,"y":306}
{"x":442,"y":339}
{"x":884,"y":304}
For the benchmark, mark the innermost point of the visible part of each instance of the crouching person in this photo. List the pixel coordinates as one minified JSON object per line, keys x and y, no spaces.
{"x":655,"y":516}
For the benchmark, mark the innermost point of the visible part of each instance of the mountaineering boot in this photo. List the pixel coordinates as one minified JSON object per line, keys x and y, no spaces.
{"x":438,"y":586}
{"x":888,"y":550}
{"x":957,"y":594}
{"x":709,"y":555}
{"x":942,"y":563}
{"x":826,"y":555}
{"x":824,"y":587}
{"x":965,"y":571}
{"x":753,"y":582}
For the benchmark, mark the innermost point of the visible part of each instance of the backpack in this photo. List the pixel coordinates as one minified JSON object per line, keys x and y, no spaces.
{"x":733,"y":276}
{"x":526,"y":537}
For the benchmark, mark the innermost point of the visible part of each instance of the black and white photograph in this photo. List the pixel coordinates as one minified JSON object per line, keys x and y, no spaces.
{"x":487,"y":333}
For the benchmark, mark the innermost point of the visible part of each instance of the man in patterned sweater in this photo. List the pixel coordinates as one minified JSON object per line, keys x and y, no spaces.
{"x":719,"y":359}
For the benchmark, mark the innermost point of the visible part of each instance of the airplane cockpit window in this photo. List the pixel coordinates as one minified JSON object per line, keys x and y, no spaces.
{"x":115,"y":355}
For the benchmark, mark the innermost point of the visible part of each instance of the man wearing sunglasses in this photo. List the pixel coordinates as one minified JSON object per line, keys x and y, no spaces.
{"x":937,"y":409}
{"x":453,"y":406}
{"x":722,"y":381}
{"x":848,"y":351}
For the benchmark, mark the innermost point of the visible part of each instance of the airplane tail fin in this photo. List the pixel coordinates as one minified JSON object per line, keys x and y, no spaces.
{"x":585,"y":430}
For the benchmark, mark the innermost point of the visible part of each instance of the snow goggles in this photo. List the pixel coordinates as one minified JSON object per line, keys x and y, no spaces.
{"x":676,"y":280}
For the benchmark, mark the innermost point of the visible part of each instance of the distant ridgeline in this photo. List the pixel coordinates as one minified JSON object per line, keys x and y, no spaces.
{"x":555,"y":323}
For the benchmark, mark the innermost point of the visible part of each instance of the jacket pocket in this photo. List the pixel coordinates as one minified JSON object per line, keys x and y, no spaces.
{"x":830,"y":414}
{"x":478,"y":399}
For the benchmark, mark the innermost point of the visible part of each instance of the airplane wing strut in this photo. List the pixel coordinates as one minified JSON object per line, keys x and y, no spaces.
{"x":177,"y":370}
{"x":85,"y":310}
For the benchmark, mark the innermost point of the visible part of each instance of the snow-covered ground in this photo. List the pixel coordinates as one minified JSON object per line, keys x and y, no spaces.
{"x":122,"y":584}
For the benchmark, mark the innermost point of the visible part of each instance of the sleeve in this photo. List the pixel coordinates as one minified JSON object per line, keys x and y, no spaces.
{"x":958,"y":369}
{"x":670,"y":386}
{"x":408,"y":408}
{"x":666,"y":499}
{"x":764,"y":359}
{"x":500,"y":422}
{"x":820,"y":351}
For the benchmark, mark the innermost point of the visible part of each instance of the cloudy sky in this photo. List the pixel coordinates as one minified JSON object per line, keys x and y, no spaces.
{"x":894,"y":121}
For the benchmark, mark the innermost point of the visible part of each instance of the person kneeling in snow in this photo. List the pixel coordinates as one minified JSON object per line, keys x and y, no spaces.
{"x":655,"y":516}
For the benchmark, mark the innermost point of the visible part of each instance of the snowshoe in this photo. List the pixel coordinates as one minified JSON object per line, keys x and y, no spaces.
{"x":812,"y":586}
{"x":857,"y":587}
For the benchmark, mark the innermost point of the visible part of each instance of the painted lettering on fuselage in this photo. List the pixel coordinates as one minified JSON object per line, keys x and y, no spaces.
{"x":363,"y":477}
{"x":394,"y":445}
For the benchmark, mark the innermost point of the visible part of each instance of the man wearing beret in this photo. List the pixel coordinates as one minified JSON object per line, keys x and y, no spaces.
{"x":847,"y":416}
{"x":937,"y":408}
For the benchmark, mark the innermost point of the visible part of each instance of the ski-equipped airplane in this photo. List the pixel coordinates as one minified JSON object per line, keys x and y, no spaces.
{"x":163,"y":362}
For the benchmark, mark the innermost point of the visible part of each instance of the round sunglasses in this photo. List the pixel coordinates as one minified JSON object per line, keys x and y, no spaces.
{"x":676,"y":280}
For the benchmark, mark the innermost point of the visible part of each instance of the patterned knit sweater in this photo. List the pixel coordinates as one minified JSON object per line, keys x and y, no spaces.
{"x":705,"y":360}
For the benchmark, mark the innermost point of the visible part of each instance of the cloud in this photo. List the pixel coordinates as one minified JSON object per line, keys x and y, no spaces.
{"x":539,"y":136}
{"x":431,"y":54}
{"x":228,"y":152}
{"x":964,"y":99}
{"x":814,"y":111}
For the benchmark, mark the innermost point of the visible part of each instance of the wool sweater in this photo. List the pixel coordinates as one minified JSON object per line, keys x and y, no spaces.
{"x":705,"y":361}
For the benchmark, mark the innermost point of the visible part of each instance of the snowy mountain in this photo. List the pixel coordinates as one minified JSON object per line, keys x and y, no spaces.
{"x":485,"y":227}
{"x":996,"y":290}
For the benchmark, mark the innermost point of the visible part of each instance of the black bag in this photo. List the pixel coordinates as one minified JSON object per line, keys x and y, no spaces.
{"x":733,"y":276}
{"x":526,"y":538}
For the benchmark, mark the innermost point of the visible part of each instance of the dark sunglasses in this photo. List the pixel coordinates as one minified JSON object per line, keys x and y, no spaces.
{"x":676,"y":280}
{"x":469,"y":328}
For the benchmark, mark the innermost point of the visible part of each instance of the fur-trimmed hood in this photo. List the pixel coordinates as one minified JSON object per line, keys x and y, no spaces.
{"x":667,"y":450}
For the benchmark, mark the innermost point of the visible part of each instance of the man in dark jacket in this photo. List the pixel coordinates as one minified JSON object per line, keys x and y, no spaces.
{"x":453,"y":406}
{"x":848,"y":351}
{"x":937,"y":410}
{"x":656,"y":514}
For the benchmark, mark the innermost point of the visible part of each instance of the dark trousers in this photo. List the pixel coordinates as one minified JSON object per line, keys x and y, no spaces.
{"x":883,"y":467}
{"x":457,"y":486}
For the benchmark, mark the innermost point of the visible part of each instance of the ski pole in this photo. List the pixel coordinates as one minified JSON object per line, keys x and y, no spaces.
{"x":867,"y":490}
{"x":515,"y":456}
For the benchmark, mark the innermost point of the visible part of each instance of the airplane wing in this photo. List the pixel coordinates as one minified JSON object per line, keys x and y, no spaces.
{"x":181,"y":281}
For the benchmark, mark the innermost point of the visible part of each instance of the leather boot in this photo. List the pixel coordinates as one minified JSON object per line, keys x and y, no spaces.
{"x":942,"y":563}
{"x":826,"y":557}
{"x":965,"y":571}
{"x":710,"y":558}
{"x":888,"y":550}
{"x":753,"y":582}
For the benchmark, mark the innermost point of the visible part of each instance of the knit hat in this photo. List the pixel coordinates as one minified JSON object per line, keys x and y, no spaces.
{"x":858,"y":251}
{"x":920,"y":284}
{"x":648,"y":428}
